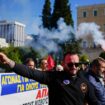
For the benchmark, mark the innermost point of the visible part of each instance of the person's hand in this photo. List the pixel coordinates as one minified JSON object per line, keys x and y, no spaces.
{"x":4,"y":59}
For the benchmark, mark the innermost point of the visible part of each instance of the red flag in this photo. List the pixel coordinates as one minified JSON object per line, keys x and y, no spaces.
{"x":51,"y":62}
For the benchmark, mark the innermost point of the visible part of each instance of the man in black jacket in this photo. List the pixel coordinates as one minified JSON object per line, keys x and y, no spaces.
{"x":65,"y":87}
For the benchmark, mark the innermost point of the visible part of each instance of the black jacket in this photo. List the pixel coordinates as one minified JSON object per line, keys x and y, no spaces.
{"x":63,"y":89}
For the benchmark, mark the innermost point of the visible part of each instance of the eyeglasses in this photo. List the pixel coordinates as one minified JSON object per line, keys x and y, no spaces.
{"x":72,"y":64}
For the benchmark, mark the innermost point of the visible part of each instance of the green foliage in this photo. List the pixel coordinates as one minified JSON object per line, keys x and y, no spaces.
{"x":12,"y":53}
{"x":18,"y":54}
{"x":46,"y":15}
{"x":72,"y":47}
{"x":31,"y":54}
{"x":61,"y":9}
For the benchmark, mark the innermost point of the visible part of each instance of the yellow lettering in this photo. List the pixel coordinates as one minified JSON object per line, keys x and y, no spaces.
{"x":3,"y":81}
{"x":10,"y":79}
{"x":31,"y":86}
{"x":20,"y":88}
{"x":26,"y":79}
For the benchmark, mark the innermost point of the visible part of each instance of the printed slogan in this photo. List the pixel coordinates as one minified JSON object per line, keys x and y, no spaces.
{"x":16,"y":83}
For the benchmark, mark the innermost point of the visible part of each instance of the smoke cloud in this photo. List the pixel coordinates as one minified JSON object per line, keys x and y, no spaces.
{"x":47,"y":41}
{"x":91,"y":30}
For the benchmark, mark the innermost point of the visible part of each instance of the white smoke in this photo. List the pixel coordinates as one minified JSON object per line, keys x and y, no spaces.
{"x":91,"y":30}
{"x":48,"y":39}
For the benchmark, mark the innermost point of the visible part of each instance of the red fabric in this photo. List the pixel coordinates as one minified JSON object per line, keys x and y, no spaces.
{"x":51,"y":62}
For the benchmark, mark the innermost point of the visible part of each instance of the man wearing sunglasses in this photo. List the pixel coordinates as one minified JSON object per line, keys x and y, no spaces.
{"x":71,"y":64}
{"x":65,"y":87}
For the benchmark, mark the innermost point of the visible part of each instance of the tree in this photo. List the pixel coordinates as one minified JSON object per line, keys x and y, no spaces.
{"x":72,"y":47}
{"x":13,"y":53}
{"x":31,"y":54}
{"x":61,"y":9}
{"x":46,"y":15}
{"x":18,"y":54}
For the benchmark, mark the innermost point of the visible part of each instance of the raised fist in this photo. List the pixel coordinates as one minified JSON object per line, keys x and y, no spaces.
{"x":3,"y":58}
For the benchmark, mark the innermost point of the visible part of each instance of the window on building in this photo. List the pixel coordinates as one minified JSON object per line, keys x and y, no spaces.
{"x":84,"y":14}
{"x":94,"y":12}
{"x":104,"y":27}
{"x":84,"y":44}
{"x":104,"y":11}
{"x":94,"y":45}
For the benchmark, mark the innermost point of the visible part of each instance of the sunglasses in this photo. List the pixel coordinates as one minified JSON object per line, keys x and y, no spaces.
{"x":72,"y":64}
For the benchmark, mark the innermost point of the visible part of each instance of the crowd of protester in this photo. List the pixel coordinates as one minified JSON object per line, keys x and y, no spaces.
{"x":70,"y":83}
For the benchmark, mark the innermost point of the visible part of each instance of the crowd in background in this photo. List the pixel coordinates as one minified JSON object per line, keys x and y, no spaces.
{"x":93,"y":72}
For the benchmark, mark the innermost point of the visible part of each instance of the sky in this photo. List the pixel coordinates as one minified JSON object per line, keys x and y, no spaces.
{"x":29,"y":12}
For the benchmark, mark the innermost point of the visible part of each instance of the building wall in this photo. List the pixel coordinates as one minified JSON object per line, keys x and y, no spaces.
{"x":13,"y":32}
{"x":92,"y":53}
{"x":92,"y":13}
{"x":88,"y":14}
{"x":3,"y":43}
{"x":90,"y":10}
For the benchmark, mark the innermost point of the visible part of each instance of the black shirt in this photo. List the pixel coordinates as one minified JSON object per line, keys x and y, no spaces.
{"x":63,"y":89}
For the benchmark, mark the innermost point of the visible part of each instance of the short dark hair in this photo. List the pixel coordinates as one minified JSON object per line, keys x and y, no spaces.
{"x":69,"y":53}
{"x":96,"y":61}
{"x":28,"y":60}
